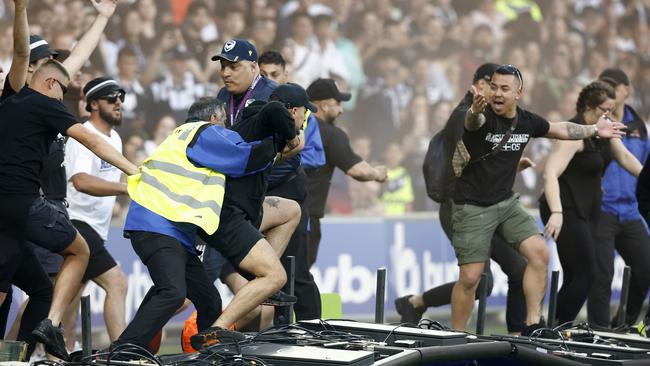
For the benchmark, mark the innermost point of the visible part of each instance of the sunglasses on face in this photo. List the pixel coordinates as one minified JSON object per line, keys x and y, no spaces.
{"x":511,"y":70}
{"x":64,"y":88}
{"x":112,"y":98}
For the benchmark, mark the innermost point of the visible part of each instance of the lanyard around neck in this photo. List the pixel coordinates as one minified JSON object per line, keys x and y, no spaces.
{"x":234,"y":114}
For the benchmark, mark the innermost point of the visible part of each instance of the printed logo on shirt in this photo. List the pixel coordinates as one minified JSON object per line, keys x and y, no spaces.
{"x":248,"y":102}
{"x":514,"y":142}
{"x":104,"y":166}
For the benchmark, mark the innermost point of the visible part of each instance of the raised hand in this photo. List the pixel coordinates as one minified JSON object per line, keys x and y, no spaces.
{"x":606,"y":128}
{"x":478,"y":101}
{"x":105,"y":7}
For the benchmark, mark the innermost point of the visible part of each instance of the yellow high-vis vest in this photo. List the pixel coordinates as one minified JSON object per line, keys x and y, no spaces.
{"x":172,"y":187}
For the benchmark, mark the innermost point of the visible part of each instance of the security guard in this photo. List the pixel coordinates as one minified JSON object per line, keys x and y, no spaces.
{"x":181,"y":188}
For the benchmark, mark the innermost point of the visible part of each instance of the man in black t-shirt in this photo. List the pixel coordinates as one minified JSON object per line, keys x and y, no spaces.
{"x":483,"y":197}
{"x":32,"y":118}
{"x":513,"y":264}
{"x":338,"y":153}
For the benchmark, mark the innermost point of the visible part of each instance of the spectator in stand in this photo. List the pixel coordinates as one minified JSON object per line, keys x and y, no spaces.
{"x":234,"y":23}
{"x":128,"y":77}
{"x":177,"y":90}
{"x":263,"y":34}
{"x":306,"y":66}
{"x":164,"y":127}
{"x":150,"y":20}
{"x":131,"y":36}
{"x":397,"y":197}
{"x":383,"y":99}
{"x":328,"y":53}
{"x":200,"y":30}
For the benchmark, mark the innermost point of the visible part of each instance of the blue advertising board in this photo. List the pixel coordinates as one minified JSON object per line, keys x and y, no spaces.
{"x":413,"y":249}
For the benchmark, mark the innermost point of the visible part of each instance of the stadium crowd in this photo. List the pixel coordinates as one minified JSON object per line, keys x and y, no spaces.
{"x":405,"y":63}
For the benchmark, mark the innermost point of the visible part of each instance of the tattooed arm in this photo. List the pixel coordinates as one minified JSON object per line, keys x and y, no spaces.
{"x":474,"y":118}
{"x":572,"y":131}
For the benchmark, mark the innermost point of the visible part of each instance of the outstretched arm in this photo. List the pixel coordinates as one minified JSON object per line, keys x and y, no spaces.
{"x":604,"y":128}
{"x":87,"y":43}
{"x":17,"y":75}
{"x":101,"y":148}
{"x":363,"y":171}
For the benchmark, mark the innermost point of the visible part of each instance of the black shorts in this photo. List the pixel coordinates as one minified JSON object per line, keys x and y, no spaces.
{"x":236,"y":235}
{"x":100,"y":259}
{"x":51,"y":262}
{"x":48,"y":225}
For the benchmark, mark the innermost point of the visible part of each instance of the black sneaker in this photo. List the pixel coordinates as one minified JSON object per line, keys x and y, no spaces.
{"x":280,"y":298}
{"x":407,"y":311}
{"x":52,"y":339}
{"x":539,"y":330}
{"x":215,"y":335}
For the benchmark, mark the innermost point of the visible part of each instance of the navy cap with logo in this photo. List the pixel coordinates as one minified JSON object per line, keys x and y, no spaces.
{"x":237,"y":50}
{"x":39,"y":48}
{"x":614,"y":76}
{"x":100,"y":87}
{"x":293,"y":95}
{"x":322,"y":89}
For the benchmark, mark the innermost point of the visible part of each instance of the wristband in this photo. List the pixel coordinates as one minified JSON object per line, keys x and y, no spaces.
{"x":596,"y":132}
{"x":557,"y":212}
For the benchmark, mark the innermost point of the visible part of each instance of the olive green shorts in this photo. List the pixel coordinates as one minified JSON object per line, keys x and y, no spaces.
{"x":474,"y":226}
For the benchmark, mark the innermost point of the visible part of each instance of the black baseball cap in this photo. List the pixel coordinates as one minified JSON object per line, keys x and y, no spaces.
{"x":484,"y":72}
{"x":615,"y":76}
{"x":322,"y":89}
{"x":39,"y":48}
{"x":236,"y":50}
{"x":100,"y":87}
{"x":294,"y":95}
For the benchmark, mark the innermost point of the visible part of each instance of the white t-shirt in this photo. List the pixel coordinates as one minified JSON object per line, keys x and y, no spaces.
{"x":95,"y":211}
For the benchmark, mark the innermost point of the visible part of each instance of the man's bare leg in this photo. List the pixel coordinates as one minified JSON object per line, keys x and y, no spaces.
{"x":279,"y":220}
{"x":464,"y":293}
{"x":535,"y":276}
{"x":263,"y":263}
{"x":262,"y":315}
{"x":69,"y":320}
{"x":115,"y":284}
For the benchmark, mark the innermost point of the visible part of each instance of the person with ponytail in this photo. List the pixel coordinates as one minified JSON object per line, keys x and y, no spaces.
{"x":570,"y":204}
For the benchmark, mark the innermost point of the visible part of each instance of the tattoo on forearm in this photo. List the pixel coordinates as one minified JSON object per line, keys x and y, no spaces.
{"x":474,"y":121}
{"x":578,"y":132}
{"x":272,"y":201}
